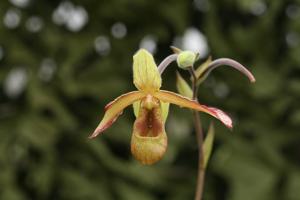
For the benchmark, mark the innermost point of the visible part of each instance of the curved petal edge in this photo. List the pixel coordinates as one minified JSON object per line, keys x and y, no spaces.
{"x":182,"y":101}
{"x":114,"y":109}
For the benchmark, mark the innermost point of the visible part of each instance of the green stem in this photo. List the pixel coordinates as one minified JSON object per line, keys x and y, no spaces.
{"x":199,"y":136}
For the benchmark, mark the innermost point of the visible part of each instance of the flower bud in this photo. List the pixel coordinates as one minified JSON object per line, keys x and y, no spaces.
{"x":186,"y":59}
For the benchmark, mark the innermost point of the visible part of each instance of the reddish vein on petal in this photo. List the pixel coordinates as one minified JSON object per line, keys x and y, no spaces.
{"x":182,"y":101}
{"x":115,"y":108}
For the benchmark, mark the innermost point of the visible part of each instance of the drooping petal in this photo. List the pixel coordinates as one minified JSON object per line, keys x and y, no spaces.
{"x":146,"y":76}
{"x":115,"y":108}
{"x":182,"y":101}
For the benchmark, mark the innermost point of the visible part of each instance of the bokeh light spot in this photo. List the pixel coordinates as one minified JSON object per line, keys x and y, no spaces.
{"x":149,"y":43}
{"x":201,"y":5}
{"x":292,"y":39}
{"x":119,"y":30}
{"x":102,"y":45}
{"x":12,"y":18}
{"x":47,"y":69}
{"x":34,"y":24}
{"x":20,"y":3}
{"x":15,"y":82}
{"x":293,"y":11}
{"x":194,"y":40}
{"x":258,"y":8}
{"x":74,"y":18}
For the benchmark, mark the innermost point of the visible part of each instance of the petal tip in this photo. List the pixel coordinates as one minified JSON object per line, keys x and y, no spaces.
{"x":222,"y":116}
{"x":92,"y":136}
{"x":251,"y":77}
{"x":230,"y":127}
{"x":102,"y":128}
{"x":252,"y":80}
{"x":95,"y":133}
{"x":141,"y":51}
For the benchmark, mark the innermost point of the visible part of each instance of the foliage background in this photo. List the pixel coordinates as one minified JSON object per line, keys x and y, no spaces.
{"x":56,"y":78}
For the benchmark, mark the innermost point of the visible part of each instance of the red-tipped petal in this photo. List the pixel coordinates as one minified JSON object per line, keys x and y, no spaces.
{"x":115,"y":108}
{"x":182,"y":101}
{"x":222,"y":116}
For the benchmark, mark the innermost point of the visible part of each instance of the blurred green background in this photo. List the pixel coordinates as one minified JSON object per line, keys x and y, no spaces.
{"x":61,"y":62}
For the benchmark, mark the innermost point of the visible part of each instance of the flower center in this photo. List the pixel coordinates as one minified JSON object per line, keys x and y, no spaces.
{"x":149,"y":122}
{"x":149,"y":139}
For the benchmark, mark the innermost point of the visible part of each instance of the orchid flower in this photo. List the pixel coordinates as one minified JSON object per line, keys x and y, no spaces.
{"x":151,"y":105}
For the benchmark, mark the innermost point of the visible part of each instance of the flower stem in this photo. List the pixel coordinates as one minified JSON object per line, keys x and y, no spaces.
{"x":199,"y":136}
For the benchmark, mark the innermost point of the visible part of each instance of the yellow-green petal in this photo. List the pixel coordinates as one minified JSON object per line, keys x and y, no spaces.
{"x":115,"y":108}
{"x":146,"y":76}
{"x":201,"y":69}
{"x":136,"y":108}
{"x":164,"y":110}
{"x":183,"y":87}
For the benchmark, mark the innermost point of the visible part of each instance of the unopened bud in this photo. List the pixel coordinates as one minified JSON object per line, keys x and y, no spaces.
{"x":186,"y":59}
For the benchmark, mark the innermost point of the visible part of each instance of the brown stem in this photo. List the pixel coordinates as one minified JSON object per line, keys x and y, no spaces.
{"x":194,"y":85}
{"x":199,"y":136}
{"x":201,"y":170}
